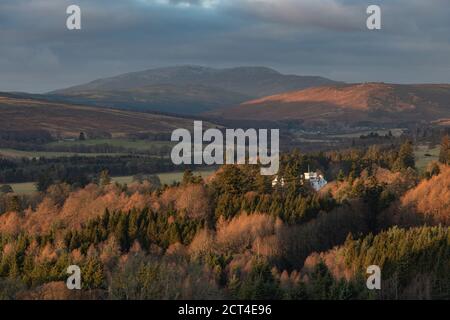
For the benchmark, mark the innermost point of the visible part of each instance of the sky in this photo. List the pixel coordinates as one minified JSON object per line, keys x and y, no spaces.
{"x":306,"y":37}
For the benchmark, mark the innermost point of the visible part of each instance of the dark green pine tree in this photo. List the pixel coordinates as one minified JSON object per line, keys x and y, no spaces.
{"x":121,"y":232}
{"x":13,"y":204}
{"x":93,"y":274}
{"x":259,"y":284}
{"x":444,"y":155}
{"x":405,"y":157}
{"x":45,"y":180}
{"x":321,"y":282}
{"x":104,"y":179}
{"x":341,"y":176}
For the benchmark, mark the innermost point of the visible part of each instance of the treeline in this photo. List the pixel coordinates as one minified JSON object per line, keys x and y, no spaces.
{"x":7,"y":138}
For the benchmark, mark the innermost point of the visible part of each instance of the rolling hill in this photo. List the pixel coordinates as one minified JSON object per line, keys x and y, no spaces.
{"x":186,"y":89}
{"x":174,"y":99}
{"x":349,"y":104}
{"x":20,"y":113}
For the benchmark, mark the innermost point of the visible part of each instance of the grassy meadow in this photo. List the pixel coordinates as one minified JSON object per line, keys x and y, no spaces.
{"x":166,"y":178}
{"x":424,"y":155}
{"x":13,"y":153}
{"x":51,"y":149}
{"x":139,"y":145}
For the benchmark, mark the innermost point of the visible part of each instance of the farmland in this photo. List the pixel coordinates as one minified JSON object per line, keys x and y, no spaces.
{"x":13,"y":153}
{"x":425,"y":155}
{"x":140,"y":145}
{"x":165,"y":178}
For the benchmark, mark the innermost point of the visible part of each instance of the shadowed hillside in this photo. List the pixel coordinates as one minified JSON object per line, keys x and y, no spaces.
{"x":19,"y":113}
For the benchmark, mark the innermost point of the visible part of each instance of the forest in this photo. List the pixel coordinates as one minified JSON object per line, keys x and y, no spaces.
{"x":234,"y":235}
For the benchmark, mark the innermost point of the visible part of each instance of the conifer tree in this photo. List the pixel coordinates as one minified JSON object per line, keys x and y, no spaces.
{"x":405,"y":157}
{"x":105,"y":179}
{"x":444,"y":155}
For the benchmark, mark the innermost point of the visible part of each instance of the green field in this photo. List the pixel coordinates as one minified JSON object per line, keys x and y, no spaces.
{"x":140,"y":145}
{"x":137,"y":145}
{"x":166,"y":178}
{"x":12,"y":153}
{"x":425,"y":155}
{"x":24,"y":188}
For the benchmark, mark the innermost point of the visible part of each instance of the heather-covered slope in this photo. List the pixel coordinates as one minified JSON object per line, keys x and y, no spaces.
{"x":22,"y":113}
{"x":373,"y":102}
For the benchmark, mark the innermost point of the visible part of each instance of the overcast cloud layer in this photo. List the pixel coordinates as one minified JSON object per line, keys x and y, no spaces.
{"x":306,"y":37}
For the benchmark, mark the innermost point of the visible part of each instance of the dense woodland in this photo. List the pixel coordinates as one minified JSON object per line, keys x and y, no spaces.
{"x":233,"y":235}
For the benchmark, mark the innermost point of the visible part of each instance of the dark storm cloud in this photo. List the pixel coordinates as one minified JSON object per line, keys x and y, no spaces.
{"x":323,"y":37}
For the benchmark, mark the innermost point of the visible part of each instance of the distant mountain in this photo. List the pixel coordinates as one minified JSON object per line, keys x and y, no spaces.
{"x":175,"y":99}
{"x":187,"y":89}
{"x":21,"y":113}
{"x":349,"y":104}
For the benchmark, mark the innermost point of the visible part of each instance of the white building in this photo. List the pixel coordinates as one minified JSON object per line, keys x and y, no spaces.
{"x":317,"y":181}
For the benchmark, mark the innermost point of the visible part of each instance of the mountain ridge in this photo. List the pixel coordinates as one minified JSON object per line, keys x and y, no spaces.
{"x":377,"y":102}
{"x":188,"y":86}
